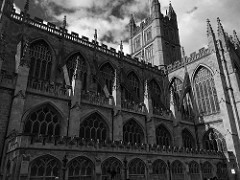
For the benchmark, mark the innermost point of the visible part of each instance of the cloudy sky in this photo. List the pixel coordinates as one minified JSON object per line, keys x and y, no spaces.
{"x":111,"y":17}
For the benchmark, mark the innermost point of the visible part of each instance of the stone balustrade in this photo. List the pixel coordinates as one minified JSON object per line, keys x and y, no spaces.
{"x":96,"y":99}
{"x":133,"y":106}
{"x":76,"y":143}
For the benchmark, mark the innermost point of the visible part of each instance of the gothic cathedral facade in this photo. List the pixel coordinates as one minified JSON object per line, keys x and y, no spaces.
{"x":72,"y":108}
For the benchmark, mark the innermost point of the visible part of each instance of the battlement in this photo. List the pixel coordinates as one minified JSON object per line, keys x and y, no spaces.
{"x":203,"y":52}
{"x":74,"y":37}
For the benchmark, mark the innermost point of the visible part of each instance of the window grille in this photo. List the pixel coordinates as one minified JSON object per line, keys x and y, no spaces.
{"x":206,"y":93}
{"x":81,"y":168}
{"x":44,"y":120}
{"x":159,"y":167}
{"x":136,"y":166}
{"x":41,"y":61}
{"x":188,"y":140}
{"x":207,"y":170}
{"x":163,"y":136}
{"x":108,"y":74}
{"x":71,"y":67}
{"x":112,"y":167}
{"x":134,"y":82}
{"x":45,"y":168}
{"x":94,"y":128}
{"x":133,"y":133}
{"x":194,"y":171}
{"x":177,"y":171}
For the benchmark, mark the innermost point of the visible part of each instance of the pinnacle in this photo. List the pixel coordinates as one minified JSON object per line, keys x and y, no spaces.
{"x":26,"y":7}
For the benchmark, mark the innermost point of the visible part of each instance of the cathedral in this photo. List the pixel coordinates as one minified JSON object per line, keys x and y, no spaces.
{"x":72,"y":108}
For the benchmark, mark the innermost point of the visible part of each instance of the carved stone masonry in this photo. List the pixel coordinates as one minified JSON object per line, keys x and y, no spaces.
{"x":25,"y":60}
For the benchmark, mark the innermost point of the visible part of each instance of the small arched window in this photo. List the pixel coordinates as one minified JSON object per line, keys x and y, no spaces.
{"x":207,"y":170}
{"x":163,"y":136}
{"x":45,"y":168}
{"x":71,"y":67}
{"x":80,"y":168}
{"x":188,"y":140}
{"x":177,"y":170}
{"x":108,"y":74}
{"x":41,"y":61}
{"x":132,"y":132}
{"x":213,"y":140}
{"x":222,"y":171}
{"x":194,"y":170}
{"x":160,"y":169}
{"x":111,"y":168}
{"x":94,"y":127}
{"x":45,"y":120}
{"x":135,"y":87}
{"x":136,"y":167}
{"x":205,"y":91}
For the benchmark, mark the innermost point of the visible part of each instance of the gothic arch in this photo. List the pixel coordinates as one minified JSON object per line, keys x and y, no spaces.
{"x":110,"y":64}
{"x":172,"y":81}
{"x":137,"y":167}
{"x":112,"y":166}
{"x":177,"y":169}
{"x":80,"y":166}
{"x":159,"y":168}
{"x":199,"y":66}
{"x":45,"y":117}
{"x":45,"y":167}
{"x":207,"y":169}
{"x":94,"y":127}
{"x":133,"y":132}
{"x":163,"y":136}
{"x":74,"y":53}
{"x":188,"y":139}
{"x":47,"y":42}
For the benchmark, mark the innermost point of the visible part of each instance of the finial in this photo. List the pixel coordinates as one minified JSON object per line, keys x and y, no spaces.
{"x":209,"y":28}
{"x":121,"y":47}
{"x":95,"y":35}
{"x":65,"y":22}
{"x":26,"y":7}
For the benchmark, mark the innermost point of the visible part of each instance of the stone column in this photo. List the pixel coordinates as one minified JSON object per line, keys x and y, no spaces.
{"x":19,"y":94}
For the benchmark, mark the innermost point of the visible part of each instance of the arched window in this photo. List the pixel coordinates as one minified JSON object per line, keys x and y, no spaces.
{"x":112,"y":169}
{"x":45,"y":168}
{"x":45,"y":120}
{"x":108,"y":74}
{"x":132,"y":132}
{"x":213,"y":140}
{"x":135,"y":87}
{"x":94,"y":128}
{"x":163,"y":136}
{"x":177,"y":171}
{"x":222,"y":171}
{"x":187,"y":108}
{"x":80,"y":168}
{"x":205,"y":91}
{"x":188,"y":140}
{"x":137,"y":169}
{"x":71,"y":67}
{"x":159,"y":169}
{"x":194,"y":170}
{"x":156,"y":95}
{"x":41,"y":61}
{"x":176,"y":90}
{"x":207,"y":170}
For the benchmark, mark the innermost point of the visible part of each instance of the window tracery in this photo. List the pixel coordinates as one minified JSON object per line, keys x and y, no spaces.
{"x":80,"y":168}
{"x":163,"y":136}
{"x":108,"y":74}
{"x":132,"y":132}
{"x":94,"y":128}
{"x":207,"y":170}
{"x":45,"y":168}
{"x":213,"y":140}
{"x":44,"y":120}
{"x":176,"y":90}
{"x":177,"y":170}
{"x":206,"y":93}
{"x":188,"y":140}
{"x":156,"y":95}
{"x":194,"y":170}
{"x":112,"y":168}
{"x":222,"y":171}
{"x":159,"y":167}
{"x":41,"y":61}
{"x":135,"y":87}
{"x":136,"y":167}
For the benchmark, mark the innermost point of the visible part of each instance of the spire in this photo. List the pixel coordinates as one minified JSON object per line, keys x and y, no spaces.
{"x":209,"y":29}
{"x":235,"y":38}
{"x":95,"y":35}
{"x":155,"y":9}
{"x":211,"y":36}
{"x":171,"y":12}
{"x":222,"y":35}
{"x":220,"y":28}
{"x":132,"y":21}
{"x":65,"y":22}
{"x":26,"y":7}
{"x":121,"y":47}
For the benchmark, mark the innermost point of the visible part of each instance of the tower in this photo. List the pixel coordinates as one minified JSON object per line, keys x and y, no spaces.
{"x":156,"y":40}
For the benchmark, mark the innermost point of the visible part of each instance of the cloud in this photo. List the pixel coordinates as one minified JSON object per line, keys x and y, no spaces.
{"x":111,"y":17}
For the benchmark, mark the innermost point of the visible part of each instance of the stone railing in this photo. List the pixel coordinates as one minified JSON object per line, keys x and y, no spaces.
{"x":7,"y":79}
{"x":96,"y":99}
{"x":162,"y":112}
{"x":76,"y":143}
{"x":133,"y":106}
{"x":47,"y":88}
{"x":58,"y":31}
